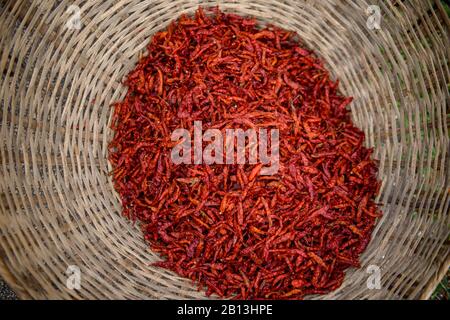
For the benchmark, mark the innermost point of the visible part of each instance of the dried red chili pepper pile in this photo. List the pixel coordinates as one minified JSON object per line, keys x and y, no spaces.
{"x":234,"y":232}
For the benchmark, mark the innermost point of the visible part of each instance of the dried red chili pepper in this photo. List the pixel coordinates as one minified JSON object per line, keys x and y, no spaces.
{"x":226,"y":227}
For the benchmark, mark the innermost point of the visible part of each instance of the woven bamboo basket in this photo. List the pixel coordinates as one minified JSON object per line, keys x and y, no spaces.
{"x":59,"y":76}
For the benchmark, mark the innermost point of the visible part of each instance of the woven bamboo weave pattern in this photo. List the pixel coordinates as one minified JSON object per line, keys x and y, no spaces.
{"x":58,"y":207}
